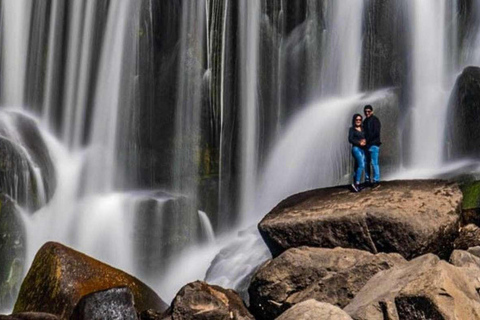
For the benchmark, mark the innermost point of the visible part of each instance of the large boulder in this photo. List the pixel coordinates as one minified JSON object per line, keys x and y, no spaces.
{"x":463,"y":132}
{"x":60,"y":276}
{"x":201,"y":301}
{"x":110,"y":304}
{"x":312,"y":310}
{"x":12,"y":251}
{"x":300,"y":274}
{"x":408,"y":217}
{"x":425,"y":288}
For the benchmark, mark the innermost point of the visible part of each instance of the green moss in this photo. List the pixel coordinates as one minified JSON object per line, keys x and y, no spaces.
{"x":471,"y":195}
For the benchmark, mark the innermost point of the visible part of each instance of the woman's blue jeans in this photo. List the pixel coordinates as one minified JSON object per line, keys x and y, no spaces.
{"x":359,"y":156}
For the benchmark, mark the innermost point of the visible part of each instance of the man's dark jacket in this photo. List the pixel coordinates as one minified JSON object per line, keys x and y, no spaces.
{"x":372,"y":127}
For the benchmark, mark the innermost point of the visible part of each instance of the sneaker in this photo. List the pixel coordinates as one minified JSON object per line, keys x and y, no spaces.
{"x":375,"y":185}
{"x":355,"y":187}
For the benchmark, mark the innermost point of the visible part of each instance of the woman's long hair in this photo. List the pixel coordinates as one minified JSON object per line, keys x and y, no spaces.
{"x":354,"y":117}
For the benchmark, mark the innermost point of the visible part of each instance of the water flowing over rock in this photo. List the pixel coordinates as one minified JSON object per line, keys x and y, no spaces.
{"x":425,"y":288}
{"x":110,"y":304}
{"x":300,"y":274}
{"x":27,"y":172}
{"x":408,"y":217}
{"x":59,"y":277}
{"x":199,"y":300}
{"x":312,"y":309}
{"x":12,"y":251}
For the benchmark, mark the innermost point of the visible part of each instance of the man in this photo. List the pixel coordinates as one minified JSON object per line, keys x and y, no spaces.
{"x":372,"y":127}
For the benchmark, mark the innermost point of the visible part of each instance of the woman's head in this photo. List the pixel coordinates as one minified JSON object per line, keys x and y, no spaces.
{"x":357,"y":120}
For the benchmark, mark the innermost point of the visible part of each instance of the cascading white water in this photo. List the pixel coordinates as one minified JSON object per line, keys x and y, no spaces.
{"x":429,"y":97}
{"x":14,"y":51}
{"x":342,"y":52}
{"x":249,"y":36}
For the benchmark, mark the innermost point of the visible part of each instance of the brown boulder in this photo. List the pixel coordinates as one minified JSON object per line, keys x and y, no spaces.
{"x":408,"y":217}
{"x":327,"y":275}
{"x":425,"y":288}
{"x":314,"y":310}
{"x":60,"y":276}
{"x":200,"y":301}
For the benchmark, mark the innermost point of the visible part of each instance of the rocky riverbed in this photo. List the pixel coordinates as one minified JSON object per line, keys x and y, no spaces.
{"x":406,"y":250}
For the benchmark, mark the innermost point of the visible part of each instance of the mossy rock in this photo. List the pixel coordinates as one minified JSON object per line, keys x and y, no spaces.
{"x":12,"y":252}
{"x":471,"y":202}
{"x":60,"y":276}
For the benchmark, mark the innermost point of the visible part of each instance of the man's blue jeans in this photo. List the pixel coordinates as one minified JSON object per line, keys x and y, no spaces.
{"x":359,"y":156}
{"x":372,"y":163}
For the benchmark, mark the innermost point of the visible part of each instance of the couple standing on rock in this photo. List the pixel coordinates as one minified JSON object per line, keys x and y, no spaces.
{"x":365,"y":140}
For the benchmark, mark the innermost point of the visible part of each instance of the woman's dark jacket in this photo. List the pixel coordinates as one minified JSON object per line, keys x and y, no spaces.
{"x":355,"y":136}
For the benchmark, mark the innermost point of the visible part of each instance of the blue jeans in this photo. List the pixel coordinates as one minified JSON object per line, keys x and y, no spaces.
{"x":359,"y":156}
{"x":372,"y":160}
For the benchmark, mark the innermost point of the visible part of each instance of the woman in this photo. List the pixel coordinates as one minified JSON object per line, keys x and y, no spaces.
{"x":356,"y":137}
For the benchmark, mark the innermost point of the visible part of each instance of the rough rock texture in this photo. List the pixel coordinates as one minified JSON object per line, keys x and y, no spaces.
{"x":12,"y":252}
{"x":463,"y":132}
{"x":60,"y":276}
{"x":469,"y":236}
{"x":408,"y":217}
{"x":201,"y":301}
{"x":300,"y":274}
{"x":110,"y":304}
{"x":151,"y":314}
{"x":30,"y":316}
{"x":461,"y":258}
{"x":314,"y":310}
{"x":425,"y":288}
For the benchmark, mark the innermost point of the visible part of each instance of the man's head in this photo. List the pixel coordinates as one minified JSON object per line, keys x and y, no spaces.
{"x":368,"y":110}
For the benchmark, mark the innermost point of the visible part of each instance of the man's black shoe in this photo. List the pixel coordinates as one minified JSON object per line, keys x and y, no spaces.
{"x":375,"y":185}
{"x":356,"y":187}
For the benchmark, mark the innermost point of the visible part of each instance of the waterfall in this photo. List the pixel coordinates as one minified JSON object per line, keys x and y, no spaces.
{"x":429,"y":65}
{"x":16,"y":25}
{"x":249,"y":45}
{"x":161,"y":115}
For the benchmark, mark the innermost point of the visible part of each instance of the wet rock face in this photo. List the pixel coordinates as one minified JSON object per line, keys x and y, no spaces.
{"x":60,"y":276}
{"x":408,"y":217}
{"x":312,"y":309}
{"x":111,"y":304}
{"x":463,"y":132}
{"x":425,"y":288}
{"x":328,"y":275}
{"x":384,"y":63}
{"x":12,"y":252}
{"x":201,"y":301}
